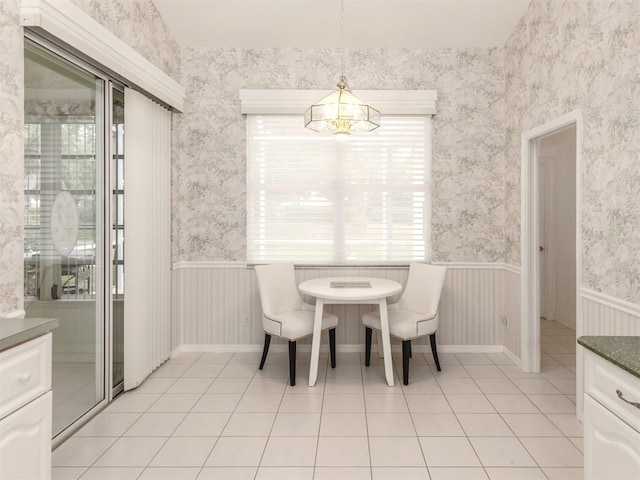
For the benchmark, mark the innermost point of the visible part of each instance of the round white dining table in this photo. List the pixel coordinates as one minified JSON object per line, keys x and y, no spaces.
{"x":356,"y":290}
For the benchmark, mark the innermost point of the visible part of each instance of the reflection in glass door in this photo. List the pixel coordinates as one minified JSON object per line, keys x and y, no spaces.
{"x":64,"y":212}
{"x":117,"y":216}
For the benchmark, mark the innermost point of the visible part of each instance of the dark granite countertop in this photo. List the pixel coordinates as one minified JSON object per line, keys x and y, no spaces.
{"x":621,"y":351}
{"x":14,"y":331}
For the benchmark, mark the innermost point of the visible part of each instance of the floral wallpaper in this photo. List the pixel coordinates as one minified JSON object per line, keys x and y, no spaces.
{"x":468,"y":140}
{"x":11,"y":157}
{"x":583,"y":54}
{"x":563,"y":55}
{"x":139,"y":24}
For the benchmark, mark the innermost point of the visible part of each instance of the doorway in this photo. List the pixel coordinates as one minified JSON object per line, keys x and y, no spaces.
{"x":557,"y":190}
{"x":536,"y":169}
{"x":557,"y":227}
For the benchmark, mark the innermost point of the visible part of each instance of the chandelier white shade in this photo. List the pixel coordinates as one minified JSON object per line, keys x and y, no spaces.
{"x":341,"y":113}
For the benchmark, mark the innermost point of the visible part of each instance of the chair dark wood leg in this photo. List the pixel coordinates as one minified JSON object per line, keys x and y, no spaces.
{"x":265,"y":350}
{"x":410,"y":351}
{"x":432,"y":338}
{"x":292,"y":363}
{"x":406,"y":353}
{"x":332,"y":346}
{"x":367,"y":346}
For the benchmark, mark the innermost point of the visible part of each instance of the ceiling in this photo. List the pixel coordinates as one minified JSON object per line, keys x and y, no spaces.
{"x":316,"y":23}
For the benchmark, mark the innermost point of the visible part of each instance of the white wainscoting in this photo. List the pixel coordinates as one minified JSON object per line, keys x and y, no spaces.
{"x":217,"y":306}
{"x":606,"y":315}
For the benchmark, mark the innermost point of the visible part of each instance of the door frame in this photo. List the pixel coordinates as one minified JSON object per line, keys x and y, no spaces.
{"x":530,"y":238}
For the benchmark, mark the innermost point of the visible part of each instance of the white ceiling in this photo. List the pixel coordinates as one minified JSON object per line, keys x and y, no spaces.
{"x":316,"y":23}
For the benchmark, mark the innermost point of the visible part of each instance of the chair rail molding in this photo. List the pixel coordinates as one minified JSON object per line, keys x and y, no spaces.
{"x":453,"y":265}
{"x":611,"y":302}
{"x":67,"y":23}
{"x":512,"y":268}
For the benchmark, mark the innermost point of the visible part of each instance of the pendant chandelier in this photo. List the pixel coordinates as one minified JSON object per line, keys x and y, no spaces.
{"x":341,"y":112}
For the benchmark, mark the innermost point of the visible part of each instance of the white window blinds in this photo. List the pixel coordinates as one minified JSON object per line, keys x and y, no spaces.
{"x":147,"y":246}
{"x":315,"y":200}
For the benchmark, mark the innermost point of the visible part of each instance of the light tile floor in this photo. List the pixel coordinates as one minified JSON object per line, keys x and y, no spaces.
{"x":216,"y":416}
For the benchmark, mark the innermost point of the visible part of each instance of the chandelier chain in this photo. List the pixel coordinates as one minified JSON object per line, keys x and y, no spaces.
{"x":342,"y":37}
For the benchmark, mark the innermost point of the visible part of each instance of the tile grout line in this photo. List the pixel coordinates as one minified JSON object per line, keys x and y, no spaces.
{"x":474,"y":379}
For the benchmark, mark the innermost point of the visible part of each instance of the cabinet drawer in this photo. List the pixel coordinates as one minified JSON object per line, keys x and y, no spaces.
{"x":603,"y":382}
{"x":25,"y":373}
{"x":611,"y":447}
{"x":25,"y":442}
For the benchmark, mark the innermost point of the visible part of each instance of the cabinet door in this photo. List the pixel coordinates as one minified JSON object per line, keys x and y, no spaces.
{"x":612,"y":447}
{"x":25,"y":441}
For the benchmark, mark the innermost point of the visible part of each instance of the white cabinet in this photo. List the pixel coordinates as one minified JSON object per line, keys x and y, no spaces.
{"x":26,"y":410}
{"x":25,"y":441}
{"x":611,"y":421}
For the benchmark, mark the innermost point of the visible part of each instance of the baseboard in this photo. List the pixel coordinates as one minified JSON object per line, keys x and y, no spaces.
{"x":466,"y":348}
{"x":354,"y":348}
{"x":512,"y":356}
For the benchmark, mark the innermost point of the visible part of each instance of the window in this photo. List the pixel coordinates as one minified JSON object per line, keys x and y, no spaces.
{"x":315,"y":200}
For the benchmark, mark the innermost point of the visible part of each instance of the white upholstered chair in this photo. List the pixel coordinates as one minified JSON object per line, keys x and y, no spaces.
{"x":285,"y":315}
{"x":415,"y":314}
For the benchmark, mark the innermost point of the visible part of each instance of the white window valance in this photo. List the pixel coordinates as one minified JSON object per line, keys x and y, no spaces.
{"x":291,"y":102}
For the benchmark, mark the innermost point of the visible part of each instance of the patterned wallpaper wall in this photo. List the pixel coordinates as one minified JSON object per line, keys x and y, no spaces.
{"x":11,"y":157}
{"x":139,"y":24}
{"x":468,"y":140}
{"x":584,"y":54}
{"x":564,"y":54}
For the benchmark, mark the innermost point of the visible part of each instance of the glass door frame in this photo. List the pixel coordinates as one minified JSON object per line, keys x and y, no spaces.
{"x":104,"y":229}
{"x":114,"y":389}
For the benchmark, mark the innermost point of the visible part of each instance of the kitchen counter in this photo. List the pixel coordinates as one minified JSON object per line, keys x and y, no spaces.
{"x":623,"y":351}
{"x":14,"y":331}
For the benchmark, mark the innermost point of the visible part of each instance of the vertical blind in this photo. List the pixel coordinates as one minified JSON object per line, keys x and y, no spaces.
{"x":147,"y":245}
{"x":313,"y":199}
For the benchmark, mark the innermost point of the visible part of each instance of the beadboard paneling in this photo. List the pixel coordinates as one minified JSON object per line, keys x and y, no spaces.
{"x":604,"y":315}
{"x":218,"y":304}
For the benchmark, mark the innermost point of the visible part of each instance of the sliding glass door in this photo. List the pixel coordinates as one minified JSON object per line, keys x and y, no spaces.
{"x":71,"y":264}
